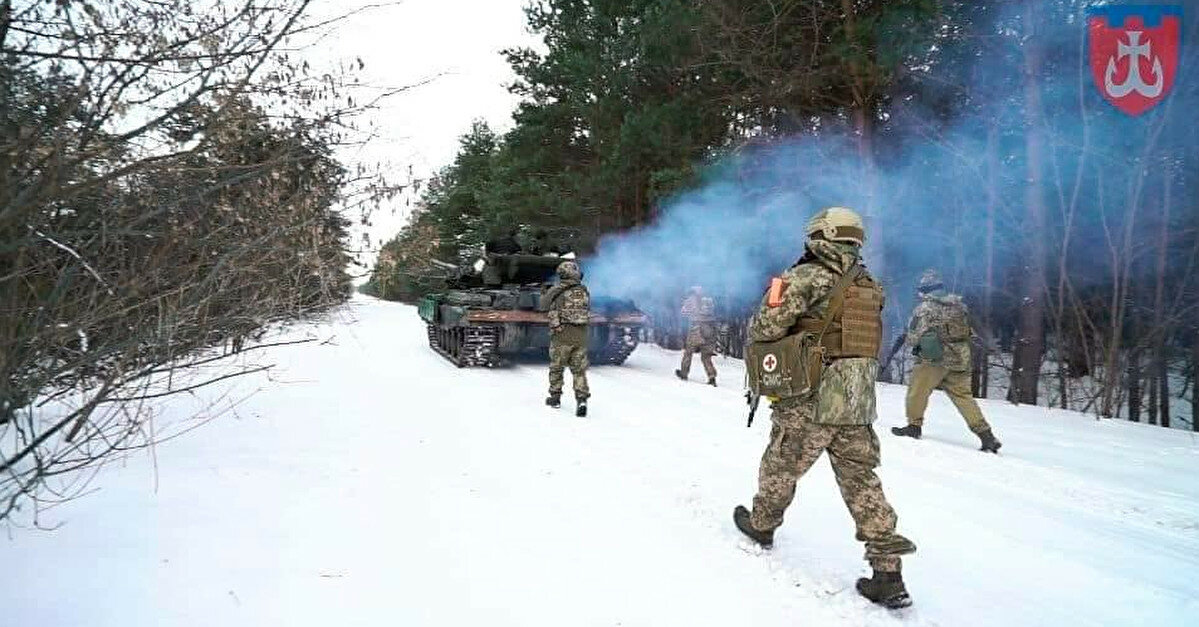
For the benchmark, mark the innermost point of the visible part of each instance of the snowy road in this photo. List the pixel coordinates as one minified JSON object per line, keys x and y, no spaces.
{"x":372,"y":483}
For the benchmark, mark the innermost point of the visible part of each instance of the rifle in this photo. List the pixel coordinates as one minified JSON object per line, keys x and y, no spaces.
{"x":886,"y":365}
{"x":752,"y":400}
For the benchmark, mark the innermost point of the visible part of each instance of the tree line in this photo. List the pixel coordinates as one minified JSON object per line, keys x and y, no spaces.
{"x":979,"y":143}
{"x":168,"y":193}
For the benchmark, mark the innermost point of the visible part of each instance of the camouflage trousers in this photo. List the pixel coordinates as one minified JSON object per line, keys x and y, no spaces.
{"x":927,"y":377}
{"x":565,"y":355}
{"x":701,"y":338}
{"x":854,"y":453}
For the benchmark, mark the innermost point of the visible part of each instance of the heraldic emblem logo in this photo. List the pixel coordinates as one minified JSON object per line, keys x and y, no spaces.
{"x":1134,"y":53}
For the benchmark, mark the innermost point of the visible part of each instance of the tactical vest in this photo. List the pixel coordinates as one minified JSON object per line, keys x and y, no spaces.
{"x":851,"y":326}
{"x":856,"y":328}
{"x":699,"y":310}
{"x":946,"y":339}
{"x":572,"y":306}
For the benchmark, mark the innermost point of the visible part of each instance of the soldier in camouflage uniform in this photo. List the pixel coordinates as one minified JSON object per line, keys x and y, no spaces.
{"x":569,"y":306}
{"x":700,"y":311}
{"x":941,"y":324}
{"x":836,"y":417}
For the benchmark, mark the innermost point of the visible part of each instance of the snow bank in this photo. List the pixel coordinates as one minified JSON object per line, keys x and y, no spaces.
{"x":369,"y":482}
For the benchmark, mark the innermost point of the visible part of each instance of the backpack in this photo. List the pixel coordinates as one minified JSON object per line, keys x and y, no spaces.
{"x":953,"y":328}
{"x":571,"y":306}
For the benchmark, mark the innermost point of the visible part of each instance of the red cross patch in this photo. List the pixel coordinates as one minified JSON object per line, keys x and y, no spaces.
{"x":770,"y":362}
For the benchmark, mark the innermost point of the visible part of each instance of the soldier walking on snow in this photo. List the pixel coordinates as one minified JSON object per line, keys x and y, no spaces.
{"x":939,"y":334}
{"x":700,"y":311}
{"x":830,"y":307}
{"x":569,"y":306}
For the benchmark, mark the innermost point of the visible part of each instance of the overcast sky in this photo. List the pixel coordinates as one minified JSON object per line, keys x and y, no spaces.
{"x":456,"y":41}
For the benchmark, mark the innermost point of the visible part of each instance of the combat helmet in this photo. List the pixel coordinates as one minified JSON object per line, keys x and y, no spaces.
{"x":930,"y":281}
{"x":837,"y":224}
{"x":569,"y":270}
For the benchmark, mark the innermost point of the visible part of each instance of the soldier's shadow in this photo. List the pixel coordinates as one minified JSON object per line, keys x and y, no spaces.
{"x":533,"y":359}
{"x":953,"y":443}
{"x":528,"y":359}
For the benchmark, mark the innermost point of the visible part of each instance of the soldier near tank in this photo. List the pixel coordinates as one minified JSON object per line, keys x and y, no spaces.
{"x":543,"y":244}
{"x":503,"y":243}
{"x":568,"y":304}
{"x":700,"y":312}
{"x":939,"y":334}
{"x":829,"y":309}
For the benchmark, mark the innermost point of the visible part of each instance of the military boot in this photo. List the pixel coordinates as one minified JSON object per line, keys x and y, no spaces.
{"x":989,"y":443}
{"x":765,"y":539}
{"x":885,"y":589}
{"x":554,"y":400}
{"x":911,"y":431}
{"x":679,"y":374}
{"x":712,"y":381}
{"x":581,"y":408}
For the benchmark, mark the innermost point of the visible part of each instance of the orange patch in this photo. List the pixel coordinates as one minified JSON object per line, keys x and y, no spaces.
{"x":775,"y":296}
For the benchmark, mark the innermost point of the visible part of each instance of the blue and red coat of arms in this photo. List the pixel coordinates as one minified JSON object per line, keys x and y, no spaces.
{"x":1134,"y":53}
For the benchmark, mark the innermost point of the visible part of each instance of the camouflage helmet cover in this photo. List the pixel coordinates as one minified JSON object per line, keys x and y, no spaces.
{"x":930,"y":280}
{"x":838,"y":224}
{"x":569,"y":270}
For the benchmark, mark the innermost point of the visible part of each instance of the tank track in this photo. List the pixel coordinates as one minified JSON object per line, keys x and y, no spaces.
{"x":616,"y":351}
{"x":466,"y":346}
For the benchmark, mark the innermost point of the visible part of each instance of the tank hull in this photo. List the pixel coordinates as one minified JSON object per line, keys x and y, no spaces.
{"x":487,"y":337}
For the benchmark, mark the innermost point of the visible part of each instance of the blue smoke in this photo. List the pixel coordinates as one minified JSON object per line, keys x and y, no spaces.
{"x":730,"y":234}
{"x":925,"y":201}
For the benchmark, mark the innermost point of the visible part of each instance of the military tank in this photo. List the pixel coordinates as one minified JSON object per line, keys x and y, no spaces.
{"x":489,"y":314}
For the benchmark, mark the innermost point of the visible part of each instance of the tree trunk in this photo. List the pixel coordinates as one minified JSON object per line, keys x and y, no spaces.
{"x":1161,"y":363}
{"x":976,"y":373}
{"x":1163,"y":396}
{"x":1063,"y":385}
{"x":1030,"y":346}
{"x":863,"y":111}
{"x":989,"y":254}
{"x":1151,"y":383}
{"x":1195,"y":381}
{"x":1123,"y":293}
{"x":6,"y":79}
{"x":977,"y":359}
{"x":1134,"y":386}
{"x":5,"y":19}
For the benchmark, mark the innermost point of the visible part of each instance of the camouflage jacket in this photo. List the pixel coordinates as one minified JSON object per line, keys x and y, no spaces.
{"x":846,"y":392}
{"x":569,"y":307}
{"x":699,"y":309}
{"x":947,"y":316}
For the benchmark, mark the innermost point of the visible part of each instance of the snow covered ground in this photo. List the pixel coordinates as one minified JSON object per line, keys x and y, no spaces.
{"x":369,"y":482}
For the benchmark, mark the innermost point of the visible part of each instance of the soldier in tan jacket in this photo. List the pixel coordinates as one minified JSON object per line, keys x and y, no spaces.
{"x":939,"y":334}
{"x":700,"y":312}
